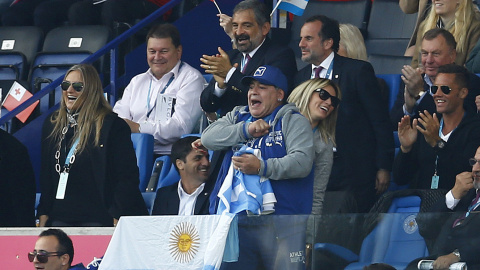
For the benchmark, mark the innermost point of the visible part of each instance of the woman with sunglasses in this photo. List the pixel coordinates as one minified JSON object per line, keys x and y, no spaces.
{"x":89,"y":175}
{"x":318,"y":100}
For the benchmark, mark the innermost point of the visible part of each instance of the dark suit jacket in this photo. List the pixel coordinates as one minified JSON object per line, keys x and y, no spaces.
{"x":428,"y":104}
{"x":464,"y":237}
{"x":236,"y":93}
{"x":363,"y":134}
{"x":167,"y":201}
{"x":17,"y":184}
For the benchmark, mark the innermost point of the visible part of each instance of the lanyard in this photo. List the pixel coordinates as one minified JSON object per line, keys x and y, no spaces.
{"x":149,"y":111}
{"x":71,"y":155}
{"x":329,"y":71}
{"x":472,"y":207}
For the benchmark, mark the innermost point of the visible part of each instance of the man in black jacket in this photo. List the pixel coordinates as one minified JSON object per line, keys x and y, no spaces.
{"x":190,"y":195}
{"x":438,"y":48}
{"x":250,"y":26}
{"x":435,"y":148}
{"x":364,"y":151}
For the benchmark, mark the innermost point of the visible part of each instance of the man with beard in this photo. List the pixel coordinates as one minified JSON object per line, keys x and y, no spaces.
{"x":458,"y":239}
{"x":249,"y":26}
{"x":190,"y":195}
{"x":163,"y":101}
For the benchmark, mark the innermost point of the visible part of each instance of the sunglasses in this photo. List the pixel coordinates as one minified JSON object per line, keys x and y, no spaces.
{"x":42,"y":256}
{"x":445,"y":89}
{"x":78,"y":86}
{"x":324,"y":95}
{"x":473,"y":161}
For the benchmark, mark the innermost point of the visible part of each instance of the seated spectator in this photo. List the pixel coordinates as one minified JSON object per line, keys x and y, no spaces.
{"x":318,"y":99}
{"x":164,"y":101}
{"x":435,"y":148}
{"x":54,"y":251}
{"x":458,"y":240}
{"x":17,"y":184}
{"x":458,"y":17}
{"x":351,"y":42}
{"x":89,"y":174}
{"x":190,"y":195}
{"x":265,"y":120}
{"x":438,"y":48}
{"x":249,"y":26}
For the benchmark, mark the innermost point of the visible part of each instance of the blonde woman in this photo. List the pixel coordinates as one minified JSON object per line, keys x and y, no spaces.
{"x":89,"y":175}
{"x":351,"y":42}
{"x":456,"y":16}
{"x":318,"y":100}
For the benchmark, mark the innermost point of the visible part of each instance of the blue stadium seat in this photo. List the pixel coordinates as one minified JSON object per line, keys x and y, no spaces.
{"x":64,"y":47}
{"x":18,"y":46}
{"x":393,"y":81}
{"x":149,"y":198}
{"x":395,"y":240}
{"x":143,"y":145}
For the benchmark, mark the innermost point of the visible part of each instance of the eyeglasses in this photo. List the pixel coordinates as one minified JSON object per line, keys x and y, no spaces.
{"x":42,"y":256}
{"x":324,"y":95}
{"x":78,"y":86}
{"x":445,"y":89}
{"x":472,"y":161}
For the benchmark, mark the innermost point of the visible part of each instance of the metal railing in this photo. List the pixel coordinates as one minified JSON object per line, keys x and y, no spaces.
{"x":112,"y":48}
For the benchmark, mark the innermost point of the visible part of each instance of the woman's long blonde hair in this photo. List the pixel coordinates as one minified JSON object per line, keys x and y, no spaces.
{"x":352,"y":40}
{"x":92,"y":108}
{"x":302,"y":95}
{"x":464,"y":16}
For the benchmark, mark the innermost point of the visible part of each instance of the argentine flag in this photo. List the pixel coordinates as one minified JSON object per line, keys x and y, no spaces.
{"x":293,"y":6}
{"x":243,"y":192}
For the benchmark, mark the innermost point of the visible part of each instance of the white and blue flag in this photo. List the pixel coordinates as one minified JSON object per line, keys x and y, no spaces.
{"x":245,"y":192}
{"x":293,"y":6}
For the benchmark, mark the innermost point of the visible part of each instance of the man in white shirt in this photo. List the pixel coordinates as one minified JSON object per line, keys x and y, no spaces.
{"x":165,"y":100}
{"x":190,"y":195}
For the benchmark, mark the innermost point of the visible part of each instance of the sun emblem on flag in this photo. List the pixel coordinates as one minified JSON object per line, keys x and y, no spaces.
{"x":184,"y":242}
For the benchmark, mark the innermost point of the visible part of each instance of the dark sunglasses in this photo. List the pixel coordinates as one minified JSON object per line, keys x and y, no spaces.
{"x":445,"y":89}
{"x":42,"y":256}
{"x":324,"y":95}
{"x":472,"y":161}
{"x":78,"y":86}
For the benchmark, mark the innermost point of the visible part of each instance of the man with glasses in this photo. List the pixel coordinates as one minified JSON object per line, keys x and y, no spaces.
{"x":53,"y":251}
{"x":436,"y":147}
{"x":458,"y":239}
{"x":438,"y":48}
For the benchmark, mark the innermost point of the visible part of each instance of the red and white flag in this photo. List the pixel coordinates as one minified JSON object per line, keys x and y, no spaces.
{"x":16,"y":96}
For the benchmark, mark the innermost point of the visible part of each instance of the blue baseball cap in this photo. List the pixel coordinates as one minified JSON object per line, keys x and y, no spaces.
{"x":268,"y":75}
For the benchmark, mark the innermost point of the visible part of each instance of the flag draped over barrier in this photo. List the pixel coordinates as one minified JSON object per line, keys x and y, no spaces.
{"x":168,"y":242}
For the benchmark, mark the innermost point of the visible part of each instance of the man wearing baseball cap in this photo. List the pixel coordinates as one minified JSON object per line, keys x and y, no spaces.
{"x":285,"y":140}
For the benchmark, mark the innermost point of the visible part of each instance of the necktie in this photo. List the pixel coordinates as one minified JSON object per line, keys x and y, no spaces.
{"x":459,"y":220}
{"x":245,"y":62}
{"x":317,"y":71}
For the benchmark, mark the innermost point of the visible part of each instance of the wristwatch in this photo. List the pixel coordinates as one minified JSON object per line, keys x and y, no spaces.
{"x":457,"y":253}
{"x":440,"y":145}
{"x":420,"y":94}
